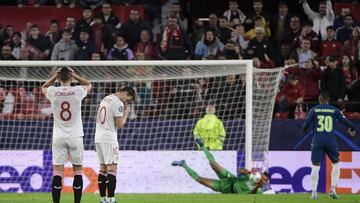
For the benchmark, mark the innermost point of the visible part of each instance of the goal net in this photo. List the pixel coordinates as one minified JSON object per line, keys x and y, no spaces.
{"x":171,"y":97}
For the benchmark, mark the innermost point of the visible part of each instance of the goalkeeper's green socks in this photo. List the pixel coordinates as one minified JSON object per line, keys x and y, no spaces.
{"x":191,"y":172}
{"x":208,"y":154}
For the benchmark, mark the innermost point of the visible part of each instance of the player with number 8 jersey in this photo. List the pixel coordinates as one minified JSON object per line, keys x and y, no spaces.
{"x":112,"y":115}
{"x":67,"y":131}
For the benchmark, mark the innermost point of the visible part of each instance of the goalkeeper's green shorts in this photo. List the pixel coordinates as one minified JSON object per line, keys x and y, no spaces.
{"x":225,"y":183}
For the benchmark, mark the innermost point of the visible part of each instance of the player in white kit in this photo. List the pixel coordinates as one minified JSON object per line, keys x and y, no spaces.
{"x":67,"y":130}
{"x":112,"y":115}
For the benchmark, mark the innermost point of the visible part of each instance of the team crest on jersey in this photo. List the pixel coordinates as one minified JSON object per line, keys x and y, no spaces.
{"x":121,"y":109}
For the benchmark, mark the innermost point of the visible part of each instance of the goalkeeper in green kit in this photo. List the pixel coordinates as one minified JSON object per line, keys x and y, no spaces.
{"x":227,"y":182}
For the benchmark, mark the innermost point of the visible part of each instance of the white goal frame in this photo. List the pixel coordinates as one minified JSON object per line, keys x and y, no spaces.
{"x":244,"y":63}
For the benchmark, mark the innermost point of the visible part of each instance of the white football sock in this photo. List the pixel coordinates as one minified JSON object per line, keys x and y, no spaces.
{"x":314,"y":178}
{"x":335,"y":174}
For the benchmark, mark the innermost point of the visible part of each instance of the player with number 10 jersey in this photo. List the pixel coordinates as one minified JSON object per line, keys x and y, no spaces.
{"x":112,"y":115}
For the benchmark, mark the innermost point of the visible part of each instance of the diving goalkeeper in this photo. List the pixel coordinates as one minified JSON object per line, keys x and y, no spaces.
{"x":227,"y":182}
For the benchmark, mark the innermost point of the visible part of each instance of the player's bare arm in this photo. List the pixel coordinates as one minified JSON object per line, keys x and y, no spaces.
{"x":120,"y":121}
{"x":244,"y":171}
{"x":82,"y":81}
{"x":51,"y":81}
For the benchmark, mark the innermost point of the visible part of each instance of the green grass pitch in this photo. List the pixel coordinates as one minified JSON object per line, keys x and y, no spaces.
{"x":179,"y":198}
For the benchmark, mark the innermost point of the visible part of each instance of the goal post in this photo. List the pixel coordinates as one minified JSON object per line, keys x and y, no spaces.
{"x":256,"y":105}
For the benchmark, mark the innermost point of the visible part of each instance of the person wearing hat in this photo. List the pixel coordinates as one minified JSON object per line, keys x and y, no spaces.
{"x":260,"y":26}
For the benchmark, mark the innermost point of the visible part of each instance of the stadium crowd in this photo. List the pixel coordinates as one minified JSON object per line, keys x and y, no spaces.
{"x":325,"y":47}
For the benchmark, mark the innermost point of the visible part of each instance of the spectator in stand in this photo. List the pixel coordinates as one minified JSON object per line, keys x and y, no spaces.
{"x":209,"y":47}
{"x":145,"y":45}
{"x":309,"y":78}
{"x":174,"y":45}
{"x":24,"y":55}
{"x":86,"y":46}
{"x":343,"y":33}
{"x":61,"y":3}
{"x":340,"y":20}
{"x":83,"y":23}
{"x":238,"y":36}
{"x":224,"y":30}
{"x":350,"y":46}
{"x":8,"y":32}
{"x":333,"y":81}
{"x":232,"y":96}
{"x":303,"y":53}
{"x":182,"y":20}
{"x":321,"y":20}
{"x":350,"y":73}
{"x":231,"y":50}
{"x":132,"y":27}
{"x":182,"y":96}
{"x":259,"y":22}
{"x":103,"y":38}
{"x":295,"y":30}
{"x":234,"y":15}
{"x":1,"y":34}
{"x":16,"y":43}
{"x":39,"y":45}
{"x":6,"y":53}
{"x":280,"y":24}
{"x":308,"y":33}
{"x":95,"y":56}
{"x":330,"y":46}
{"x":258,"y":11}
{"x":260,"y":45}
{"x":108,"y":17}
{"x":291,"y":95}
{"x":265,"y":64}
{"x":213,"y":22}
{"x":53,"y":32}
{"x":69,"y":25}
{"x":36,"y":3}
{"x":93,"y":4}
{"x":285,"y":52}
{"x":65,"y":49}
{"x":120,"y":51}
{"x":26,"y":33}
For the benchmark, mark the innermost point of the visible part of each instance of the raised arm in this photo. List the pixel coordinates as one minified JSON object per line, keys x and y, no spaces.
{"x":329,"y":11}
{"x":340,"y":116}
{"x":82,"y":81}
{"x":120,"y":121}
{"x":310,"y":13}
{"x":49,"y":82}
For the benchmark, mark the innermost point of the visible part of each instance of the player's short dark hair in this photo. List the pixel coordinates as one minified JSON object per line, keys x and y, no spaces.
{"x":65,"y":74}
{"x":324,"y":95}
{"x":282,"y":3}
{"x":330,"y":27}
{"x":129,"y":90}
{"x":266,"y":174}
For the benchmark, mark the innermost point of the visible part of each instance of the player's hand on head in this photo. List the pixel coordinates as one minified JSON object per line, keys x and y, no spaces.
{"x":71,"y":69}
